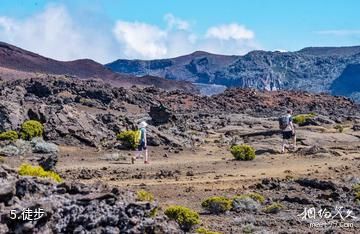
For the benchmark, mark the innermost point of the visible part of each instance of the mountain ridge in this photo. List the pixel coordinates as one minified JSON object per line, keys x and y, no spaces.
{"x":312,"y":69}
{"x":19,"y":63}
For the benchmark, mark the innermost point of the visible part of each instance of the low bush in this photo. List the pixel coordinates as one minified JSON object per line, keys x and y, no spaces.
{"x":303,"y":118}
{"x":37,"y":171}
{"x":357,"y":196}
{"x":243,"y":152}
{"x":9,"y":136}
{"x":248,"y":228}
{"x":154,"y":212}
{"x":339,"y":128}
{"x":205,"y":231}
{"x":185,"y":217}
{"x":356,"y":188}
{"x":31,"y":129}
{"x":129,"y":138}
{"x":273,"y":208}
{"x":255,"y":196}
{"x":217,"y":205}
{"x":2,"y":160}
{"x":143,"y":195}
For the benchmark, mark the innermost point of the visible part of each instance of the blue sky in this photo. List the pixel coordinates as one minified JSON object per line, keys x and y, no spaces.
{"x":105,"y":30}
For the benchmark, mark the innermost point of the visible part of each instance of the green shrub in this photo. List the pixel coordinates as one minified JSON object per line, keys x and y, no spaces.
{"x":357,"y":196}
{"x":273,"y":208}
{"x":9,"y":136}
{"x":154,"y":212}
{"x":2,"y":160}
{"x":217,"y":205}
{"x":243,"y":152}
{"x":255,"y":196}
{"x":339,"y":128}
{"x":129,"y":138}
{"x":37,"y":171}
{"x":248,"y":228}
{"x":303,"y":118}
{"x":202,"y":230}
{"x":143,"y":195}
{"x":356,"y":188}
{"x":185,"y":217}
{"x":31,"y":129}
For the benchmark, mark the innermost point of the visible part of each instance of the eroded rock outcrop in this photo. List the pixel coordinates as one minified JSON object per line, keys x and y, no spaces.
{"x":74,"y":208}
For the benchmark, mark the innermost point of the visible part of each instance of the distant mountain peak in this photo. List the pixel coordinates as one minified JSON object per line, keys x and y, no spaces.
{"x":331,"y":51}
{"x":311,"y":69}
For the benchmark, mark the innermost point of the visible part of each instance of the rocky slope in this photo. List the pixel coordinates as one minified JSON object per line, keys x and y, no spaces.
{"x":18,"y":63}
{"x":92,"y":112}
{"x":74,"y":208}
{"x":348,"y":82}
{"x":311,"y":69}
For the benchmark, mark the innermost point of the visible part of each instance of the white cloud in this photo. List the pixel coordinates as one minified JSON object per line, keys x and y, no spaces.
{"x":147,"y":41}
{"x":341,"y":32}
{"x":56,"y":34}
{"x":174,"y":22}
{"x":140,"y":39}
{"x":230,"y":31}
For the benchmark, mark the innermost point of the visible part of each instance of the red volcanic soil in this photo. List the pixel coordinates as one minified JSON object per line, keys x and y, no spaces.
{"x":14,"y":58}
{"x":17,"y":63}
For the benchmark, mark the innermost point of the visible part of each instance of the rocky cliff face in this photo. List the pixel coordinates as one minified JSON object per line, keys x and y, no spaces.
{"x":310,"y":69}
{"x":348,"y":83}
{"x":91,"y":113}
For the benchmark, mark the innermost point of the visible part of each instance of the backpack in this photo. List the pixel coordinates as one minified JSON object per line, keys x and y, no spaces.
{"x":284,"y":121}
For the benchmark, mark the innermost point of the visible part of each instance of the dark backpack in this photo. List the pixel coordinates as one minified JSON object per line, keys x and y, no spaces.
{"x":284,"y":121}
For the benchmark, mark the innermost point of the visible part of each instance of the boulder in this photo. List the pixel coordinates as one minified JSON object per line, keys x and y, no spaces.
{"x":315,"y":149}
{"x":245,"y":204}
{"x":9,"y":150}
{"x":43,"y":147}
{"x":356,"y":127}
{"x":160,"y":114}
{"x":317,"y":184}
{"x":7,"y":190}
{"x":48,"y":162}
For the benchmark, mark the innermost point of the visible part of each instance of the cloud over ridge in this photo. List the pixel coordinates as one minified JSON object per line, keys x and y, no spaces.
{"x":55,"y":33}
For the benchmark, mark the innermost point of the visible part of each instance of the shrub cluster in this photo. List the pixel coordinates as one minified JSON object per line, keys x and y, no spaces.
{"x":255,"y":196}
{"x":129,"y":138}
{"x":185,"y":217}
{"x":356,"y":189}
{"x":273,"y":208}
{"x":143,"y":195}
{"x":339,"y":128}
{"x":303,"y":118}
{"x":243,"y":152}
{"x":202,"y":230}
{"x":37,"y":171}
{"x":9,"y":136}
{"x":217,"y":205}
{"x":31,"y":129}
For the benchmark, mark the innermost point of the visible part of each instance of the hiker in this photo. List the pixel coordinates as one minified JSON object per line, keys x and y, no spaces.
{"x":142,"y":144}
{"x":288,"y":130}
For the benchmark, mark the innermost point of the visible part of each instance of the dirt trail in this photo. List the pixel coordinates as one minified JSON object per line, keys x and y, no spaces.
{"x":205,"y":166}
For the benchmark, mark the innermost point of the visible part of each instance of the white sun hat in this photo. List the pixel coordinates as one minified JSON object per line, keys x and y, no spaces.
{"x":143,"y":124}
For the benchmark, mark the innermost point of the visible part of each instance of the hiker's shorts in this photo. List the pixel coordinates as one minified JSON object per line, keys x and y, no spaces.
{"x":142,"y":146}
{"x":288,"y":135}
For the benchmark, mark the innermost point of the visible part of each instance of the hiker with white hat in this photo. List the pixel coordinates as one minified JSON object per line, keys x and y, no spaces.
{"x":142,"y":144}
